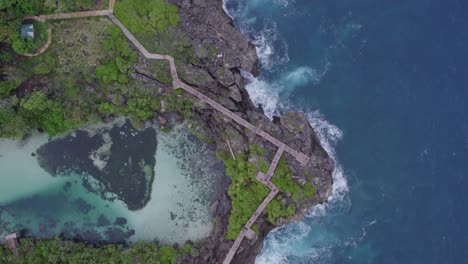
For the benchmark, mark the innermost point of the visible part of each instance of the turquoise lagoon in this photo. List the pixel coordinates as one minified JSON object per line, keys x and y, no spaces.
{"x":40,"y":205}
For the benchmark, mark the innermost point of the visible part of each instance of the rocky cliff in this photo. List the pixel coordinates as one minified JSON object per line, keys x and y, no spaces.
{"x":221,"y":52}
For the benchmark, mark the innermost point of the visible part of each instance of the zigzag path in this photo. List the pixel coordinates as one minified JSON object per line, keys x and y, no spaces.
{"x":177,"y":83}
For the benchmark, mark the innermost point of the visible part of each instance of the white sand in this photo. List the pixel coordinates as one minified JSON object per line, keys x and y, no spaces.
{"x":20,"y":173}
{"x":172,"y":192}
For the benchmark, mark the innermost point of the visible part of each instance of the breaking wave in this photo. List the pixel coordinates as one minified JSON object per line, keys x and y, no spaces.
{"x":269,"y":93}
{"x":268,"y":96}
{"x":272,"y":50}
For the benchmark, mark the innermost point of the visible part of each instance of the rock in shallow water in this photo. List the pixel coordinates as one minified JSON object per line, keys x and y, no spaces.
{"x":120,"y":159}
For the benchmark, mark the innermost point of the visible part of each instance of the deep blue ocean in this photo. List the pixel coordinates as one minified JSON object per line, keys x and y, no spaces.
{"x":385,"y":84}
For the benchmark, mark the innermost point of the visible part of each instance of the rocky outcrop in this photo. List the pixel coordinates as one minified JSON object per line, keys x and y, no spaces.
{"x":221,"y":52}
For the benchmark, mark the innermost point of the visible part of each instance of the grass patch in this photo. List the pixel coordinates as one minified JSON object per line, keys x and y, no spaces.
{"x":146,"y":17}
{"x":161,"y":71}
{"x":66,"y":6}
{"x":155,"y":25}
{"x":179,"y":103}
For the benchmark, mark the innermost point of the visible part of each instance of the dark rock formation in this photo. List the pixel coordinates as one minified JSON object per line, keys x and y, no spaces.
{"x":120,"y":158}
{"x":222,"y":51}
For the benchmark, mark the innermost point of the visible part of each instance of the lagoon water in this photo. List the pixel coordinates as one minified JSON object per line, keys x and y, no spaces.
{"x":385,"y":85}
{"x":40,"y":205}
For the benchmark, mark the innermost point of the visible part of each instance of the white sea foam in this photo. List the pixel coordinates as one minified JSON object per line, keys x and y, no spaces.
{"x":329,"y":135}
{"x":234,"y":9}
{"x":262,"y":93}
{"x":267,"y":94}
{"x":276,"y":251}
{"x":272,"y":51}
{"x":284,"y":3}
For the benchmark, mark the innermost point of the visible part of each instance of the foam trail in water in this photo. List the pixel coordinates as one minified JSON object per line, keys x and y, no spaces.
{"x":329,"y":135}
{"x":261,"y":93}
{"x":269,"y":96}
{"x":272,"y":51}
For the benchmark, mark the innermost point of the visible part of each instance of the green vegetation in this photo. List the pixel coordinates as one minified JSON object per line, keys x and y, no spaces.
{"x":179,"y":103}
{"x":276,"y":209}
{"x":11,"y":124}
{"x":199,"y":131}
{"x":282,"y":178}
{"x":59,"y":251}
{"x":13,"y":11}
{"x":83,"y":77}
{"x":22,"y":46}
{"x":115,"y":68}
{"x":146,"y":17}
{"x":48,"y":114}
{"x":157,"y":19}
{"x":247,"y":193}
{"x":160,"y":71}
{"x":6,"y":87}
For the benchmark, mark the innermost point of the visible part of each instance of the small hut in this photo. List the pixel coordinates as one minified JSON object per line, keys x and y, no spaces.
{"x":12,"y":240}
{"x":27,"y":31}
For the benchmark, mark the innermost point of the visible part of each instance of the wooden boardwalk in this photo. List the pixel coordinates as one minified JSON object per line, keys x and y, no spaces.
{"x":13,"y":241}
{"x":247,"y":229}
{"x":177,"y":83}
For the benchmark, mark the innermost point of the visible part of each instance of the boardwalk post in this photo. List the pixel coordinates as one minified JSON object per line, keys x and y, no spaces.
{"x":12,"y":240}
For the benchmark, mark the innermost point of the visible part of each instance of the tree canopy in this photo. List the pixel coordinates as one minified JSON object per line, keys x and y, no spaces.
{"x":67,"y":252}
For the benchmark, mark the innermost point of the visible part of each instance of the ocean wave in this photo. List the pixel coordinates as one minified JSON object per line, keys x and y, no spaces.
{"x":300,"y":76}
{"x":232,"y":8}
{"x":262,"y":93}
{"x":276,"y":252}
{"x":273,"y":55}
{"x":267,"y":94}
{"x":272,"y":50}
{"x":329,"y":135}
{"x":284,"y":3}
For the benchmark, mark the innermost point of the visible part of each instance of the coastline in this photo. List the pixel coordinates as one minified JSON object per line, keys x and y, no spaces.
{"x":282,"y":127}
{"x":222,"y":80}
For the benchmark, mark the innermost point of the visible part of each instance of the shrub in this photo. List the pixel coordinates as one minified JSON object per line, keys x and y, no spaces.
{"x":6,"y":87}
{"x":47,"y":114}
{"x":42,"y":69}
{"x":59,"y":251}
{"x":22,"y":46}
{"x":146,"y":17}
{"x":245,"y":191}
{"x":141,"y":107}
{"x":107,"y":108}
{"x":12,"y":125}
{"x":116,"y":68}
